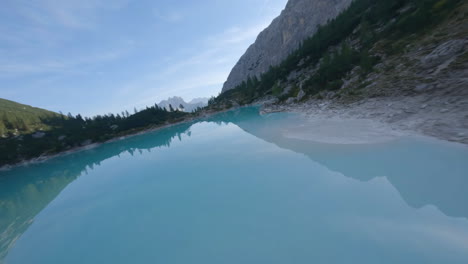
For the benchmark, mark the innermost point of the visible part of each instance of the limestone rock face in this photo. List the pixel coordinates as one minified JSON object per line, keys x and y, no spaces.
{"x":297,"y":21}
{"x":446,"y":51}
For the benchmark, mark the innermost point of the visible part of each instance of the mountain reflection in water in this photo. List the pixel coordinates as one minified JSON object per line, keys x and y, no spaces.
{"x":26,"y":191}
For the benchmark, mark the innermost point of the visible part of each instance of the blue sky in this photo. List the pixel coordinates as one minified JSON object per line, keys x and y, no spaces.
{"x":100,"y":56}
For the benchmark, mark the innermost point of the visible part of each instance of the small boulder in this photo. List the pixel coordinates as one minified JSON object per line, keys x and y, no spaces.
{"x":330,"y":95}
{"x":300,"y":95}
{"x":86,"y":142}
{"x":291,"y":100}
{"x":38,"y":135}
{"x":286,"y":90}
{"x":235,"y":103}
{"x":420,"y":88}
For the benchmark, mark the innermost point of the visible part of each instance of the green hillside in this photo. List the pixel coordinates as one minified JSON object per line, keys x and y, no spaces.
{"x":18,"y":118}
{"x":68,"y":132}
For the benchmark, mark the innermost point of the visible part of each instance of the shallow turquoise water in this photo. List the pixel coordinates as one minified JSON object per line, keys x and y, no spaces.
{"x":233,"y":189}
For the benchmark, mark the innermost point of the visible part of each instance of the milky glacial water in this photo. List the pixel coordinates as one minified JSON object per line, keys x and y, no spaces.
{"x":234,"y":189}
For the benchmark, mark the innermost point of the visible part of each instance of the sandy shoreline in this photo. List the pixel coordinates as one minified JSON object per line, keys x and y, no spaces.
{"x":339,"y":130}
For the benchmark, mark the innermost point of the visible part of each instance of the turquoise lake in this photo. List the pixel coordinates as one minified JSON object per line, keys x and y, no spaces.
{"x":233,"y":189}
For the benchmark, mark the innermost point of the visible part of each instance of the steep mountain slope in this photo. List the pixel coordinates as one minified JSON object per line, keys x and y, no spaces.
{"x":16,"y":118}
{"x":298,"y":21}
{"x":401,"y":62}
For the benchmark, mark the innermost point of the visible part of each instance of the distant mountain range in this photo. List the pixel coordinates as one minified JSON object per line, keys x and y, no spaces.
{"x":176,"y":102}
{"x":17,"y":119}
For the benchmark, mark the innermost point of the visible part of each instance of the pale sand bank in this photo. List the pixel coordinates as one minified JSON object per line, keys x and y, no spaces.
{"x":378,"y":119}
{"x":342,"y":131}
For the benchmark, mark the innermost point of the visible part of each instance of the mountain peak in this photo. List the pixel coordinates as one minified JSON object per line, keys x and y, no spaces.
{"x":176,"y":101}
{"x":297,"y":21}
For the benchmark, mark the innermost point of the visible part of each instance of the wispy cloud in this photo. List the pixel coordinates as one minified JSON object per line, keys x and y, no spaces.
{"x":189,"y":85}
{"x":28,"y":44}
{"x":14,"y":69}
{"x":52,"y":43}
{"x":77,"y":14}
{"x":10,"y":68}
{"x":262,"y":9}
{"x":169,"y":16}
{"x":201,"y":74}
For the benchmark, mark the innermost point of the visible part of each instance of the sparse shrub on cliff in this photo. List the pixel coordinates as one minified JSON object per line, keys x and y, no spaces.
{"x":366,"y":22}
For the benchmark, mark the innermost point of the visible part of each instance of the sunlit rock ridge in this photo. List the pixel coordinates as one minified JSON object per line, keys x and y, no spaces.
{"x":297,"y":21}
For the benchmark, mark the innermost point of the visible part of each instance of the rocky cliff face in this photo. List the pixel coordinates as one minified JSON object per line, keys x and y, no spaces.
{"x":297,"y":21}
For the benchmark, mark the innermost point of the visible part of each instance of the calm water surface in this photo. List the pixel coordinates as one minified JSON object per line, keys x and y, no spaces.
{"x":234,"y":189}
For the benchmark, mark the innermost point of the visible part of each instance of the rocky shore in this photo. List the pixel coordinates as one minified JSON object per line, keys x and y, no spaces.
{"x":421,"y":90}
{"x":443,"y":118}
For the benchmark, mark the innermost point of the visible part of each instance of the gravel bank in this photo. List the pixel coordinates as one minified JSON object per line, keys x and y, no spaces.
{"x":381,"y":118}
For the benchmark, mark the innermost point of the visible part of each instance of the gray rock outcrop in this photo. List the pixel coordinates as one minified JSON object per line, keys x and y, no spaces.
{"x":38,"y":134}
{"x":445,"y":51}
{"x":297,"y":21}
